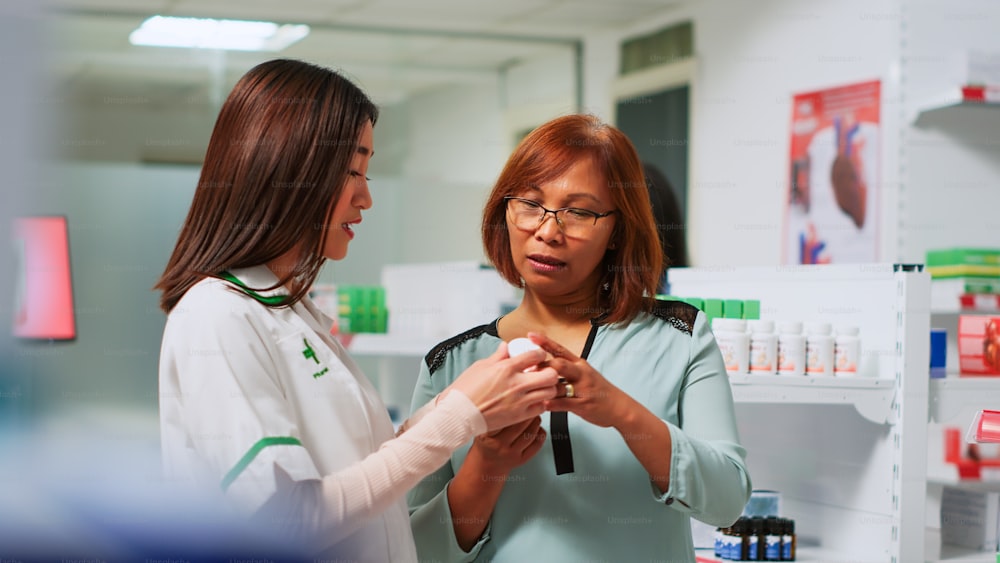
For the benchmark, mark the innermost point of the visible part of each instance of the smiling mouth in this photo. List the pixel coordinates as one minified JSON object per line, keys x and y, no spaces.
{"x":347,"y":227}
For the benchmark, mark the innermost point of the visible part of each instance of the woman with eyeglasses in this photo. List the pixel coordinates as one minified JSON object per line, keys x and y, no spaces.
{"x":257,"y":399}
{"x":642,"y":436}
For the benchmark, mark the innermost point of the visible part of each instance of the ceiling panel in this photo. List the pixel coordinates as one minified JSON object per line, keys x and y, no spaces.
{"x":491,"y":54}
{"x":470,"y":15}
{"x":393,"y":48}
{"x":149,"y":6}
{"x":284,"y":11}
{"x":354,"y":46}
{"x":595,"y":15}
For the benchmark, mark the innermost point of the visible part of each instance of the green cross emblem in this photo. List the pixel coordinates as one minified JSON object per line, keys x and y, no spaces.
{"x":309,"y":353}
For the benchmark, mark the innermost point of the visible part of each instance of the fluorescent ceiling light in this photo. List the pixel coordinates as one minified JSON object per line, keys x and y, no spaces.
{"x":202,"y":33}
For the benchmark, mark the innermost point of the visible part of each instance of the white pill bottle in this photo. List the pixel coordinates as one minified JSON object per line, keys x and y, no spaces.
{"x":791,"y":348}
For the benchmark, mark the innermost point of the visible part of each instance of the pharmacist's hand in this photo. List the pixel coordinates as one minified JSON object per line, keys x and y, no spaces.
{"x":503,"y":392}
{"x":593,"y":398}
{"x":501,"y":451}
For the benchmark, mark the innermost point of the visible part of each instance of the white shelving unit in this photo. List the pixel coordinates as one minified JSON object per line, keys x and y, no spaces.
{"x":382,"y":345}
{"x":951,"y":105}
{"x":427,"y":304}
{"x":954,"y":400}
{"x":848,"y":455}
{"x":872,"y":398}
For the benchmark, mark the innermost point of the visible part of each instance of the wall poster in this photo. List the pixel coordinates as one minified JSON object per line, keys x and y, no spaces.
{"x":831,"y":213}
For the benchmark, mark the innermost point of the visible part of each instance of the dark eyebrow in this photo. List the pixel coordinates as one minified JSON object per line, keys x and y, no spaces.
{"x":572,"y":196}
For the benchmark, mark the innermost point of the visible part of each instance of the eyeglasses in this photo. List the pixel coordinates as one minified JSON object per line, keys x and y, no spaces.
{"x":573,"y":221}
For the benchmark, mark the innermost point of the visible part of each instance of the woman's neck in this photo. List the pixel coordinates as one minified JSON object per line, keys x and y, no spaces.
{"x":284,"y":265}
{"x":557,"y":312}
{"x":565,"y":320}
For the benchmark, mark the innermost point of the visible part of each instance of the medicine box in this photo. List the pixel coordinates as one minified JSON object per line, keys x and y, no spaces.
{"x":963,"y":262}
{"x":979,"y":344}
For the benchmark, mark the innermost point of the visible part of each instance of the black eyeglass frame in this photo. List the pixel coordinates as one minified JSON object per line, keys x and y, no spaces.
{"x":555,"y":212}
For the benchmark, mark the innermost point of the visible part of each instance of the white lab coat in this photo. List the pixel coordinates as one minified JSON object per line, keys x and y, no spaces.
{"x":242,"y":385}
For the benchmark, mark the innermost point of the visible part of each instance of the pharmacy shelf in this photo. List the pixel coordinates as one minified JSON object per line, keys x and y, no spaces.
{"x":950,"y":553}
{"x":926,"y":115}
{"x":945,"y":295}
{"x":849,"y":478}
{"x":803,"y":554}
{"x":871,"y":397}
{"x":952,"y":103}
{"x":364,"y":344}
{"x":934,"y":551}
{"x":973,"y":485}
{"x":952,"y":400}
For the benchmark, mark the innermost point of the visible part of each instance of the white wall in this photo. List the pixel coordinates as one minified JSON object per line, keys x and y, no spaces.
{"x":938,"y":182}
{"x":951,"y":161}
{"x":751,"y":58}
{"x":123,"y":221}
{"x":456,"y":141}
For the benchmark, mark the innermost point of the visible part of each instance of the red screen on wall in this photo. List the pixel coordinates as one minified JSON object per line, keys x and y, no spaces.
{"x":43,"y":301}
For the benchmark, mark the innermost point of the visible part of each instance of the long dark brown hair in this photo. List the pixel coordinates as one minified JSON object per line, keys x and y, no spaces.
{"x":276,"y":162}
{"x":632,"y":269}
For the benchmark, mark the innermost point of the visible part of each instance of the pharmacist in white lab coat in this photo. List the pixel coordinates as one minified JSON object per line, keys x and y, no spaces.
{"x":256,"y":397}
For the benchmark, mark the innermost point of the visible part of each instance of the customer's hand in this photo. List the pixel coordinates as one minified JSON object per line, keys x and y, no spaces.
{"x":504,"y":393}
{"x":585,"y":392}
{"x":501,"y":451}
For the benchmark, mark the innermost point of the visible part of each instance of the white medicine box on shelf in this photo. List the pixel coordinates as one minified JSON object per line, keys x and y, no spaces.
{"x":441,"y":299}
{"x":430,"y":302}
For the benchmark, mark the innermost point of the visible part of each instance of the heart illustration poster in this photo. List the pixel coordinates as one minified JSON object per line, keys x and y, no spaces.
{"x":831,"y":213}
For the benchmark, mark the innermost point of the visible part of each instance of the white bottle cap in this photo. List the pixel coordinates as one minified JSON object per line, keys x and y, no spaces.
{"x":847,"y":331}
{"x":817,"y":328}
{"x":731,"y":325}
{"x":758,"y":326}
{"x":789,"y":327}
{"x":520,"y":346}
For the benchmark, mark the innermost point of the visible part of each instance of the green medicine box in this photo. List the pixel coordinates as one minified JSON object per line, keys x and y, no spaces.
{"x":361,"y":309}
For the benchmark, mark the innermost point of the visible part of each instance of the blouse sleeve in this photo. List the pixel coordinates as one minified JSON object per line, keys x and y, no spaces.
{"x":708,"y":473}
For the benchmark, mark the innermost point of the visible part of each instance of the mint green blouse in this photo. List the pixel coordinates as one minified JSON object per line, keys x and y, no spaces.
{"x":607,"y":509}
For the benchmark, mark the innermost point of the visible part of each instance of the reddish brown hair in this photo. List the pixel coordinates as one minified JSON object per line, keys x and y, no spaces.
{"x":276,"y":163}
{"x":632,"y":269}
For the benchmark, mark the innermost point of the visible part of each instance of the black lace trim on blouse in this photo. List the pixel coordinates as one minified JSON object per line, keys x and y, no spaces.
{"x":679,"y":314}
{"x":436,"y":357}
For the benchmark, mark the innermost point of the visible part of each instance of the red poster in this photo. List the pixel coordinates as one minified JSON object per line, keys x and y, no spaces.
{"x":833,"y":176}
{"x":43,"y":305}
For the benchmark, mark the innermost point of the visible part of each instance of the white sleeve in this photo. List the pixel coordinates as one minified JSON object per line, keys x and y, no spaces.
{"x":222,"y":404}
{"x":333,"y":508}
{"x":223,"y":412}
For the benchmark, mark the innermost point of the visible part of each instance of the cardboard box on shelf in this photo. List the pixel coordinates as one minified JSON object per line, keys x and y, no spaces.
{"x":970,"y":518}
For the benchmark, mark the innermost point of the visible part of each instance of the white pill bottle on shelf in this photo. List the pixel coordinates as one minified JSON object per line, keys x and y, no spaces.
{"x":763,"y":348}
{"x":819,"y":349}
{"x":846,"y":351}
{"x":734,"y":343}
{"x":791,"y":348}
